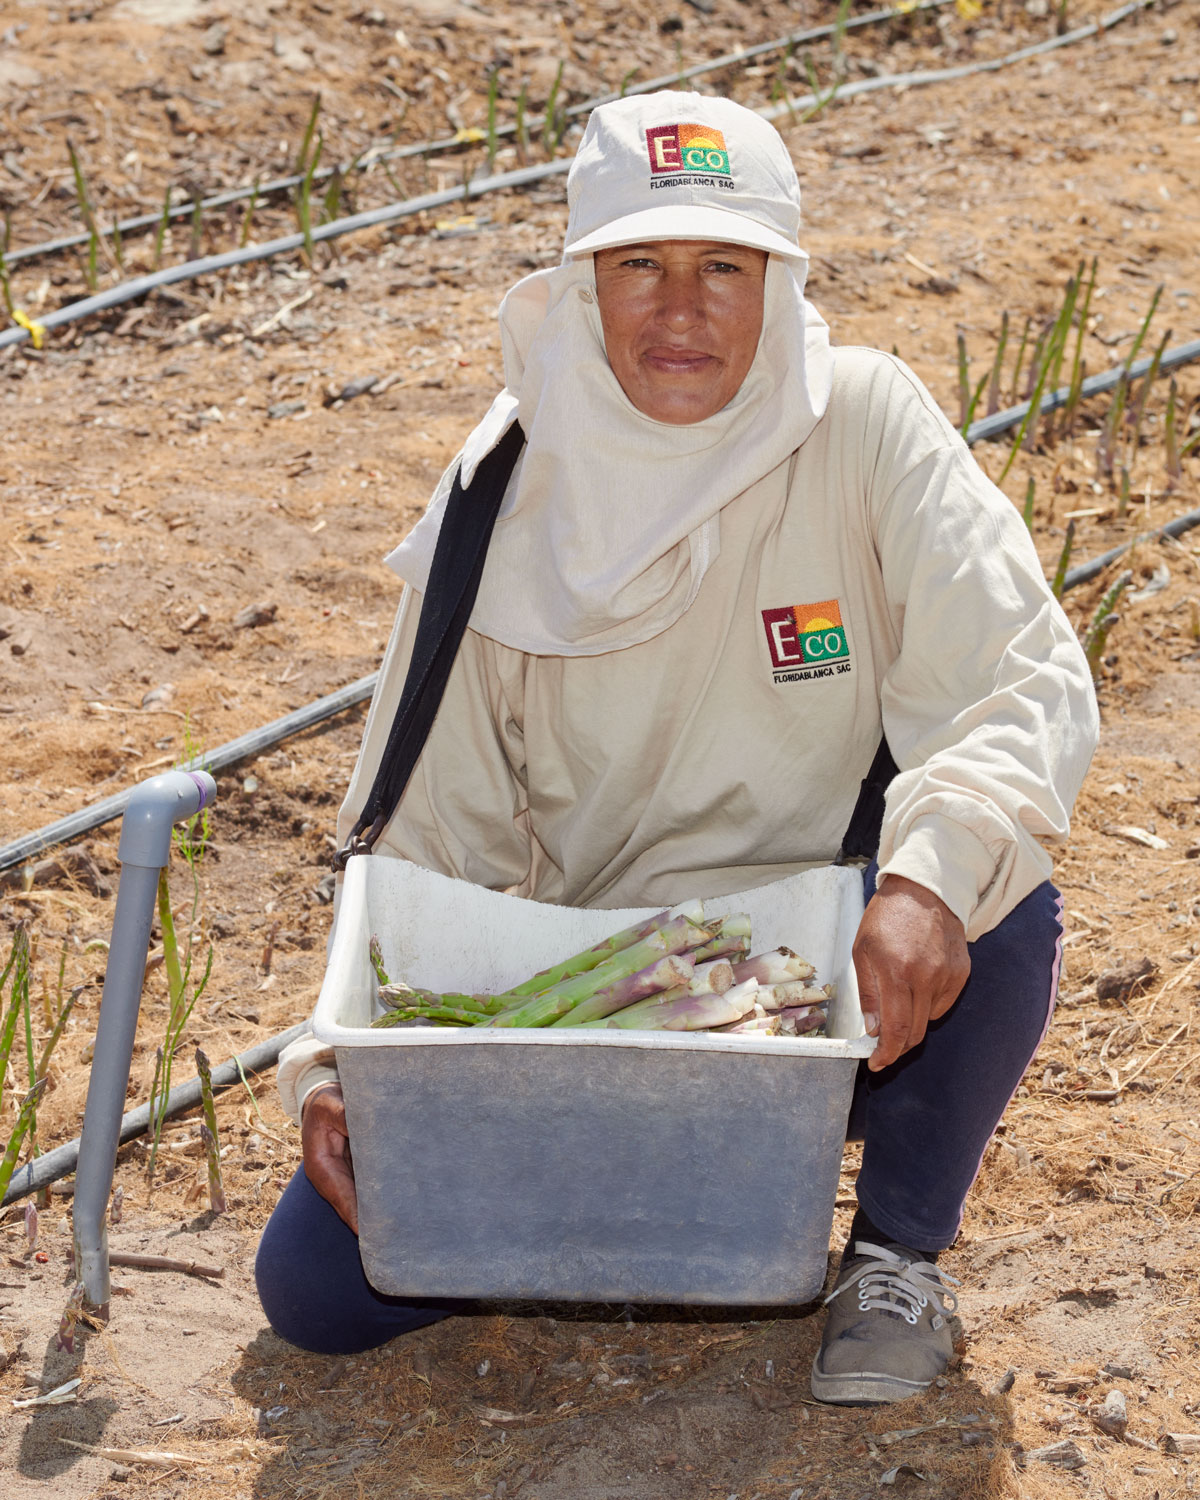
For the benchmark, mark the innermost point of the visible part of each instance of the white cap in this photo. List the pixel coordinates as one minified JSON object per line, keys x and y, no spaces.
{"x":681,"y":166}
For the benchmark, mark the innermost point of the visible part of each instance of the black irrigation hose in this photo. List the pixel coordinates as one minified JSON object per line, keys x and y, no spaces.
{"x":185,"y":209}
{"x":1002,"y":421}
{"x":254,"y":742}
{"x":964,"y":70}
{"x":1085,"y":572}
{"x":127,"y":291}
{"x":41,"y":1171}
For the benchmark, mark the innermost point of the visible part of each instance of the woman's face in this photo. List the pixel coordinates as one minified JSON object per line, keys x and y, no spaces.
{"x":681,"y":323}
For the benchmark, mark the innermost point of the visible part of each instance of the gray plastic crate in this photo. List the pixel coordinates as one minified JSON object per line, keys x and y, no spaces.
{"x":602,"y":1165}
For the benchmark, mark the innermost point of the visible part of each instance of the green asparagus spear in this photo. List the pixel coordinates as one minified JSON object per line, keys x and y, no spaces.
{"x":687,"y":1012}
{"x":675,"y":937}
{"x":592,"y":958}
{"x":208,"y":1133}
{"x":671,"y":973}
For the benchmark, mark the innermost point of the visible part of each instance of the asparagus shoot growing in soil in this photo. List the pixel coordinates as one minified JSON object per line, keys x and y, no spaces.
{"x":208,"y":1133}
{"x":65,"y":1339}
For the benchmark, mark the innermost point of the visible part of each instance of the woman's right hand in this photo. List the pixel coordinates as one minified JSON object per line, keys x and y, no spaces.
{"x":326,"y":1144}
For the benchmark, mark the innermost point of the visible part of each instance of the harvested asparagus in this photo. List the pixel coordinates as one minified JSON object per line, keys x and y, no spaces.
{"x":673,"y":972}
{"x":777,"y":967}
{"x":730,"y":940}
{"x":801,"y":1020}
{"x":793,"y":992}
{"x":712,"y":978}
{"x":687,"y":1012}
{"x":548,"y":1005}
{"x":763,"y":1025}
{"x":410,"y":1001}
{"x":430,"y":1010}
{"x":592,"y":958}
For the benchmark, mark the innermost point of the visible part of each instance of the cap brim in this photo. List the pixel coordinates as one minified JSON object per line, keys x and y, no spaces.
{"x":684,"y":221}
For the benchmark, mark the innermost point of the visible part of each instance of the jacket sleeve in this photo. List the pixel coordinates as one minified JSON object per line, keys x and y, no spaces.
{"x":989,"y":708}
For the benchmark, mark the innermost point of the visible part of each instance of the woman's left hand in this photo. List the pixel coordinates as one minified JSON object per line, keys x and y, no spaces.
{"x":911,"y":959}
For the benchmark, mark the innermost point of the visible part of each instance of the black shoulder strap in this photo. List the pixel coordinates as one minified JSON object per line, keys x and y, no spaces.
{"x":861,"y":838}
{"x":446,"y":607}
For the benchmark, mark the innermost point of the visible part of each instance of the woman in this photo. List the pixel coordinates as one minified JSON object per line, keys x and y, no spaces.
{"x":730,"y":558}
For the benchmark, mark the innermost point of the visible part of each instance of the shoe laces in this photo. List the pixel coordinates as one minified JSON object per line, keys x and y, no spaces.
{"x":890,"y":1283}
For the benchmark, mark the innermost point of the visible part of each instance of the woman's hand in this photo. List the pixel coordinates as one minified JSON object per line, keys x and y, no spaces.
{"x":912,"y":962}
{"x":326,"y":1144}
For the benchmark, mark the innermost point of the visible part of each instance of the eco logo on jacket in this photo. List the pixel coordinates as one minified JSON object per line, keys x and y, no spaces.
{"x":688,"y":153}
{"x":806,"y":641}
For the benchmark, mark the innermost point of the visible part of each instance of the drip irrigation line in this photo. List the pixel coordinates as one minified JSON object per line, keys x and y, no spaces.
{"x":791,"y":107}
{"x":1085,"y":572}
{"x":254,"y":742}
{"x":388,"y":213}
{"x":43,"y":1170}
{"x":127,"y":291}
{"x":1002,"y":421}
{"x":379,"y":152}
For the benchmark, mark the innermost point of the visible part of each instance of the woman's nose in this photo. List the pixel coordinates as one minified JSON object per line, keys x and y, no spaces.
{"x":681,"y":302}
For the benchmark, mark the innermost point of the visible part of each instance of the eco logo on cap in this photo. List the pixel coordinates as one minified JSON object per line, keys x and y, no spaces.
{"x":806,"y":640}
{"x":688,"y":152}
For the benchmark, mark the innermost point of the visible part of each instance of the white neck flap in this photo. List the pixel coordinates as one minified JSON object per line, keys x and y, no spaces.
{"x":611,"y":518}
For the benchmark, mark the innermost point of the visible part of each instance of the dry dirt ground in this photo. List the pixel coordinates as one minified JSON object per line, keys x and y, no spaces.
{"x":191,"y":532}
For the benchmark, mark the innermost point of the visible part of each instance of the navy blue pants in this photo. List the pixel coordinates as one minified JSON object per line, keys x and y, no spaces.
{"x":924,"y":1123}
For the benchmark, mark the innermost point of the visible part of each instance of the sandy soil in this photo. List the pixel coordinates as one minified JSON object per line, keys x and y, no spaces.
{"x":192,"y":528}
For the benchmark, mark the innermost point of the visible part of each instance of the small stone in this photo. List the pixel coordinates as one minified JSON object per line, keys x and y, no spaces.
{"x":357,"y":387}
{"x":254,"y":615}
{"x":1120,"y":984}
{"x":1112,"y":1417}
{"x":1189,"y":117}
{"x":215,"y":38}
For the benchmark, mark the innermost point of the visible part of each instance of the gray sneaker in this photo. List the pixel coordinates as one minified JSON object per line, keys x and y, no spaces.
{"x":888,"y":1332}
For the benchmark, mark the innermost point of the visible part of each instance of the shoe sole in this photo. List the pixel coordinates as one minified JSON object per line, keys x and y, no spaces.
{"x":862,"y":1388}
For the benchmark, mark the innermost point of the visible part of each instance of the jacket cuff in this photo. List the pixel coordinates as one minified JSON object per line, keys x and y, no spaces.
{"x":303,"y":1064}
{"x":948,"y":860}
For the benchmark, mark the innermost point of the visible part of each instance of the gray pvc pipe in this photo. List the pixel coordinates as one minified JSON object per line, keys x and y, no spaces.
{"x":145,"y":847}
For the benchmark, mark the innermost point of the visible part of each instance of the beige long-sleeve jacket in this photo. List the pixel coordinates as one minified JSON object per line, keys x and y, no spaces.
{"x":875,"y":583}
